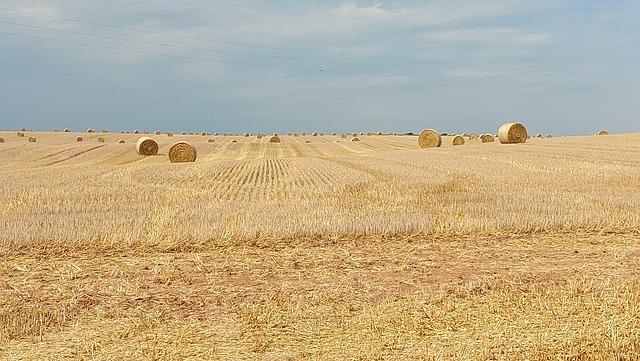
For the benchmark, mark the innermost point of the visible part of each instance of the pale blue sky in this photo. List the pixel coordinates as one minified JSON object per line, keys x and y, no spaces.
{"x":562,"y":66}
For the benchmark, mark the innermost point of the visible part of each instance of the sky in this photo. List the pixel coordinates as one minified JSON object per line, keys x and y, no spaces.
{"x":558,"y":66}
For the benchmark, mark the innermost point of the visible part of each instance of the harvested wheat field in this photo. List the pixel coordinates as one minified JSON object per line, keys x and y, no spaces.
{"x":368,"y":250}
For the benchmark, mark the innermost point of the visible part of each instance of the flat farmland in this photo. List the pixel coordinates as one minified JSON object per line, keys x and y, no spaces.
{"x":319,"y":248}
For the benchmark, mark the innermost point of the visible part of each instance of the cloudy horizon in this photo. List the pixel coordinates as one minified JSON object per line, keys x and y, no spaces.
{"x":561,"y":67}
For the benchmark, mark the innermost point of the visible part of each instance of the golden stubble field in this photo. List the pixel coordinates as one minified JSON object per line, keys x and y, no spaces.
{"x":323,"y":250}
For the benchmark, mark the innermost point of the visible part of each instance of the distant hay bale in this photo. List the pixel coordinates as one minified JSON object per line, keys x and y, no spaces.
{"x":303,"y":134}
{"x":354,"y":134}
{"x":56,"y":130}
{"x":121,"y":141}
{"x":259,"y":136}
{"x":315,"y":134}
{"x":354,"y":139}
{"x":512,"y":133}
{"x":1,"y":140}
{"x":146,"y":131}
{"x":203,"y":133}
{"x":183,"y":133}
{"x":20,"y":134}
{"x":466,"y":135}
{"x":369,"y":134}
{"x":91,"y":130}
{"x":539,"y":135}
{"x":295,"y":134}
{"x":334,"y":133}
{"x":458,"y":140}
{"x":379,"y":133}
{"x":210,"y":140}
{"x":234,"y":141}
{"x":105,"y":131}
{"x":602,"y":132}
{"x":32,"y":139}
{"x":66,"y":130}
{"x":136,"y":131}
{"x":549,"y":136}
{"x":274,"y":139}
{"x":361,"y":133}
{"x":100,"y":140}
{"x":182,"y":152}
{"x":79,"y":139}
{"x":147,"y":146}
{"x":23,"y":129}
{"x":394,"y":133}
{"x":225,"y":134}
{"x":169,"y":134}
{"x":429,"y":138}
{"x":487,"y":138}
{"x":473,"y":136}
{"x":344,"y":136}
{"x":247,"y":135}
{"x":216,"y":134}
{"x":157,"y":132}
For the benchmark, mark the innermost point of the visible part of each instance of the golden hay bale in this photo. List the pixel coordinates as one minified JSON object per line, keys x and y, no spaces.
{"x":20,"y":134}
{"x":182,"y":152}
{"x":183,"y":133}
{"x":23,"y":129}
{"x":203,"y":133}
{"x":1,"y":140}
{"x":394,"y":133}
{"x":361,"y":133}
{"x":274,"y":135}
{"x":32,"y":139}
{"x":369,"y":134}
{"x":379,"y":133}
{"x":100,"y":140}
{"x":157,"y":132}
{"x":66,"y":130}
{"x":247,"y":135}
{"x":602,"y":132}
{"x":259,"y":136}
{"x":429,"y":138}
{"x":333,"y":133}
{"x":458,"y":140}
{"x":466,"y":135}
{"x":146,"y":131}
{"x":274,"y":139}
{"x":473,"y":136}
{"x":539,"y":135}
{"x":234,"y":141}
{"x":136,"y":131}
{"x":314,"y":134}
{"x":487,"y":138}
{"x":216,"y":134}
{"x":303,"y":134}
{"x":91,"y":130}
{"x":169,"y":134}
{"x":147,"y":146}
{"x":549,"y":136}
{"x":295,"y":134}
{"x":343,"y":136}
{"x":105,"y":131}
{"x":56,"y":130}
{"x":79,"y":139}
{"x":512,"y":133}
{"x":121,"y":141}
{"x":226,"y":134}
{"x":210,"y":140}
{"x":354,"y":134}
{"x":354,"y":139}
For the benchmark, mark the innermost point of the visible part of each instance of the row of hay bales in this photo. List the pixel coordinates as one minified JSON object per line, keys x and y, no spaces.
{"x":510,"y":133}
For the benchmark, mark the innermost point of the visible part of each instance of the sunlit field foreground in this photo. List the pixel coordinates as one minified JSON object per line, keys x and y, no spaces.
{"x":323,"y":250}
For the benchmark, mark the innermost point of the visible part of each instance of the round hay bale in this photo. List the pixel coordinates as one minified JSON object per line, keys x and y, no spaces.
{"x":602,"y":132}
{"x":23,"y":129}
{"x":334,"y":133}
{"x":32,"y":139}
{"x":295,"y":134}
{"x":1,"y":140}
{"x":20,"y":134}
{"x":121,"y":141}
{"x":169,"y":134}
{"x":379,"y":133}
{"x":234,"y":141}
{"x":136,"y":131}
{"x":66,"y":130}
{"x":394,"y":133}
{"x":487,"y":138}
{"x":361,"y":133}
{"x":259,"y":136}
{"x":473,"y":136}
{"x":105,"y":131}
{"x":344,"y":136}
{"x":79,"y":139}
{"x":183,"y":133}
{"x":466,"y":135}
{"x":100,"y":140}
{"x":369,"y":134}
{"x":247,"y":135}
{"x":429,"y":138}
{"x":216,"y":134}
{"x":549,"y":136}
{"x":203,"y":133}
{"x":147,"y":146}
{"x":314,"y":134}
{"x":539,"y":135}
{"x":182,"y":152}
{"x":56,"y":130}
{"x":225,"y":134}
{"x":210,"y":140}
{"x":274,"y":139}
{"x":157,"y":132}
{"x":91,"y":130}
{"x":354,"y":139}
{"x":512,"y":133}
{"x":458,"y":140}
{"x":146,"y":131}
{"x":354,"y":134}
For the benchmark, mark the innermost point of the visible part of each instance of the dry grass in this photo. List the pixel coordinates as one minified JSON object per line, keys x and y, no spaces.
{"x":369,"y":250}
